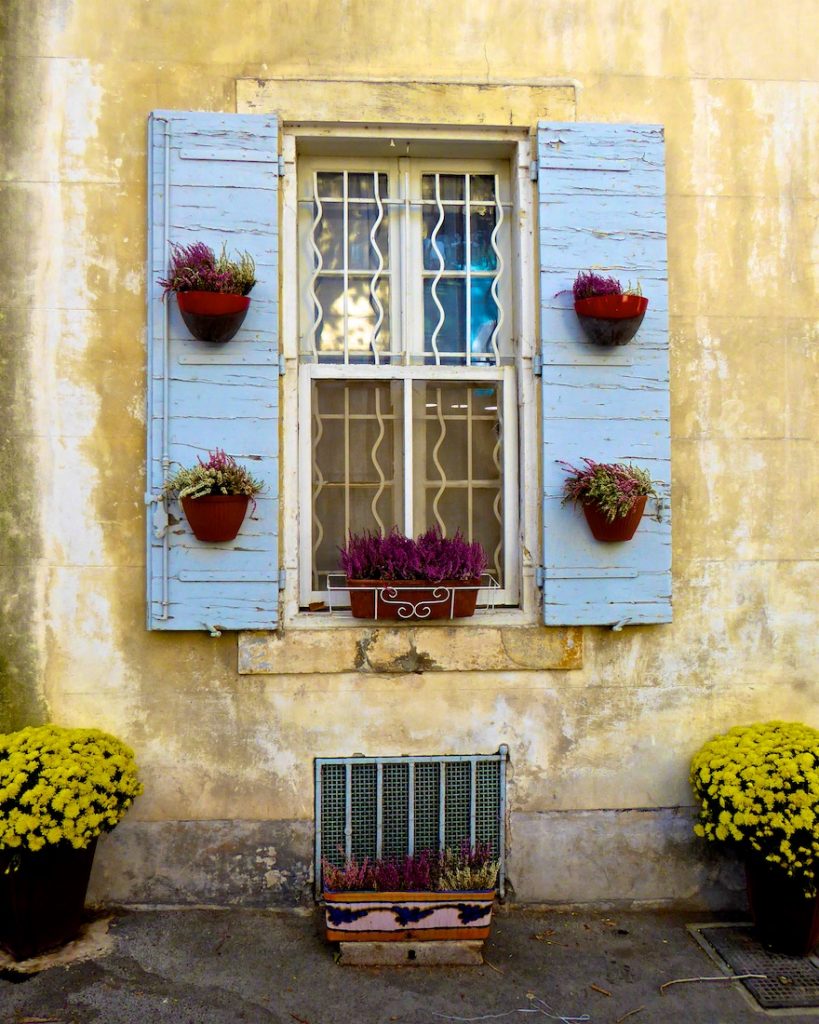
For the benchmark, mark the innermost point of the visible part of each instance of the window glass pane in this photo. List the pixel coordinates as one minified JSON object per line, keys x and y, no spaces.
{"x":452,"y":187}
{"x":484,"y":317}
{"x":458,"y":478}
{"x":356,"y":465}
{"x":361,"y":185}
{"x":362,"y":315}
{"x":329,"y":237}
{"x":451,"y":293}
{"x":362,"y":254}
{"x":450,"y":240}
{"x":482,"y":187}
{"x":482,"y":221}
{"x":330,"y":184}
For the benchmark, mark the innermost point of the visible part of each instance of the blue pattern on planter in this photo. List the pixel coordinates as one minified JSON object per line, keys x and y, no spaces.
{"x":469,"y":912}
{"x":342,"y":915}
{"x":410,"y":915}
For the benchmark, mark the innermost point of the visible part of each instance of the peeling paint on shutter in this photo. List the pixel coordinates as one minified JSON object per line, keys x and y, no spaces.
{"x":213,"y":178}
{"x":601,"y":205}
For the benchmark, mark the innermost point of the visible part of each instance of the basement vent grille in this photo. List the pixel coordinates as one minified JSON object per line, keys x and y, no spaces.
{"x":392,"y":806}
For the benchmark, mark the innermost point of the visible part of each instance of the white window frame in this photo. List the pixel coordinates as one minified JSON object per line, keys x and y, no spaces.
{"x":519,"y":401}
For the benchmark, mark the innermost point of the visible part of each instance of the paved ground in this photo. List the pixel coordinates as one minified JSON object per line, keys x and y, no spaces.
{"x":248,"y":966}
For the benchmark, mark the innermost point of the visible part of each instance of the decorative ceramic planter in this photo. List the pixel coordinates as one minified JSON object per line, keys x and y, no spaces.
{"x":623,"y":527}
{"x":413,"y":599}
{"x":42,"y":896}
{"x":611,"y":319}
{"x":407,"y":916}
{"x":212,"y":316}
{"x":216,"y":517}
{"x":785,"y":919}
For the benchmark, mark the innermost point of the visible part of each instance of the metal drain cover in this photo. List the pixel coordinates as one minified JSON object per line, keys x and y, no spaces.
{"x":791,"y":982}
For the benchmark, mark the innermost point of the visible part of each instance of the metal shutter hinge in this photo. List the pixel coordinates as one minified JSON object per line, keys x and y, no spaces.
{"x":537,"y":365}
{"x":540,"y":577}
{"x":533,"y":170}
{"x":282,"y":366}
{"x":282,"y":578}
{"x":281,"y":166}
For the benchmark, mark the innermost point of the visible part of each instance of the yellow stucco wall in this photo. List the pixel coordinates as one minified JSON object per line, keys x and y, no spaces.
{"x":735,"y":85}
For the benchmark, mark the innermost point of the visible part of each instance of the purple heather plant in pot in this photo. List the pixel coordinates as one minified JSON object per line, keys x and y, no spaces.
{"x":211,"y":291}
{"x":197,"y":268}
{"x":613,"y":496}
{"x":431,"y":558}
{"x":469,"y":868}
{"x":446,"y":572}
{"x":608,"y":313}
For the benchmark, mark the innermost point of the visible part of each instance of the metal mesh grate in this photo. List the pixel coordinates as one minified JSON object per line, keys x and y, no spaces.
{"x":790,"y":982}
{"x":427,"y":806}
{"x":391,"y":806}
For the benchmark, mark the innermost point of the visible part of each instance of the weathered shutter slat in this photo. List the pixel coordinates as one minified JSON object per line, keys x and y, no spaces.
{"x":214,"y":178}
{"x":601,"y":205}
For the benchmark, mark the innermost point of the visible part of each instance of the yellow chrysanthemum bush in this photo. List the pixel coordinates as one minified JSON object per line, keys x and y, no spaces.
{"x":758,"y":787}
{"x":62,"y":785}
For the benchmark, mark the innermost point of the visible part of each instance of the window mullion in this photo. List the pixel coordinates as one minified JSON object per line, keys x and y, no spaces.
{"x":409,"y":491}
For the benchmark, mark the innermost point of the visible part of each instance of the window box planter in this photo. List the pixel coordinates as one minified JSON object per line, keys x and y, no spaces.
{"x":213,"y":316}
{"x":407,"y":916}
{"x":413,"y":599}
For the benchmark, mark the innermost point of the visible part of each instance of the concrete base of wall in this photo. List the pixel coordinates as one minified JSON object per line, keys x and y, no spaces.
{"x":633,"y":856}
{"x":557,"y":857}
{"x":224,"y":863}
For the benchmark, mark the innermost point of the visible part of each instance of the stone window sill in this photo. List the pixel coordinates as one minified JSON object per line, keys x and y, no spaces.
{"x":399,"y":650}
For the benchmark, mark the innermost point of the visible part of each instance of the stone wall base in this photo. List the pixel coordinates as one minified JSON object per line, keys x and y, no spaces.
{"x":555,"y":857}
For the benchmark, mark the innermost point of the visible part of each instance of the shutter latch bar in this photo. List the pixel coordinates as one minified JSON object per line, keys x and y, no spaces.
{"x":160,"y":520}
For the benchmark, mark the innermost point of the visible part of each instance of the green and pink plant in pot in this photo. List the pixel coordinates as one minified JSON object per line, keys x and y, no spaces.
{"x":211,"y":291}
{"x":392,"y":576}
{"x":214,"y":495}
{"x":613,"y":496}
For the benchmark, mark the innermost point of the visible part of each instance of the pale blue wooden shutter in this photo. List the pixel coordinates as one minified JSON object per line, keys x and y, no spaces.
{"x":213,"y":178}
{"x":601,"y":205}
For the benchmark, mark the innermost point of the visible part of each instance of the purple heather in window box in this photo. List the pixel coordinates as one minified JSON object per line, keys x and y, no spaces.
{"x":436,"y":564}
{"x":425,"y":896}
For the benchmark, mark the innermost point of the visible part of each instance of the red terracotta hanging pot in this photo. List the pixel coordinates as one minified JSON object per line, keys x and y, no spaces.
{"x":611,"y":319}
{"x":212,"y":316}
{"x":622,"y":528}
{"x":216,"y":517}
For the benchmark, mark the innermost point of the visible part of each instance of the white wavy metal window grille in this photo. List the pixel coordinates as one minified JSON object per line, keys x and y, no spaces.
{"x":407,"y":364}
